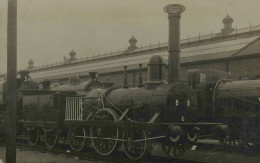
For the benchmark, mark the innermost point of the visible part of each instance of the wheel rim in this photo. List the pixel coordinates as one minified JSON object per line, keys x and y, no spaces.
{"x":51,"y":138}
{"x":104,"y":146}
{"x":174,"y":150}
{"x":77,"y":138}
{"x":134,"y":150}
{"x":33,"y":136}
{"x":193,"y":135}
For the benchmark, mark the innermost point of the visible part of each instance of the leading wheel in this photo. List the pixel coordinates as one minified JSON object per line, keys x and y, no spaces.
{"x":33,"y":136}
{"x":51,"y":137}
{"x":104,"y":138}
{"x":174,"y":150}
{"x":136,"y":144}
{"x":76,"y":138}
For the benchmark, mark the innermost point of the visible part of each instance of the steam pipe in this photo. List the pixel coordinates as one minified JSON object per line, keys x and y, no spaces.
{"x":174,"y":15}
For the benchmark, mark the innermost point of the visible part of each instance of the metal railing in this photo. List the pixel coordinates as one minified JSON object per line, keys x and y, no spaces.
{"x":149,"y":47}
{"x":74,"y":108}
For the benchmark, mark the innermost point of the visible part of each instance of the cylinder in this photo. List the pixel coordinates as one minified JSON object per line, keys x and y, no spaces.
{"x":174,"y":15}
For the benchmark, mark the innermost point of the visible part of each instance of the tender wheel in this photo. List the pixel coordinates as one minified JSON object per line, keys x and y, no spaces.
{"x":33,"y":136}
{"x":136,"y":144}
{"x":51,"y":137}
{"x":174,"y":150}
{"x":104,"y":138}
{"x":76,"y":138}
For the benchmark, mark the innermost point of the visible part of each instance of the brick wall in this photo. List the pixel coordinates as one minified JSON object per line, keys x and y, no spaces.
{"x":118,"y":78}
{"x":242,"y":67}
{"x":215,"y":65}
{"x":245,"y":67}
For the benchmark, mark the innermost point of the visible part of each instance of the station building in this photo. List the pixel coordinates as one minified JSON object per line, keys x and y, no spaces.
{"x":233,"y":51}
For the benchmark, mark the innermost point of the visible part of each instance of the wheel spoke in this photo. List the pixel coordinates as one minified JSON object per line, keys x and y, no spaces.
{"x":33,"y":136}
{"x":76,"y":137}
{"x":104,"y":146}
{"x":134,"y":150}
{"x":51,"y":138}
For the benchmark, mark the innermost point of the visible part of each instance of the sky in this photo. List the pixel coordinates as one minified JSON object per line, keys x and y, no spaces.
{"x":49,"y":29}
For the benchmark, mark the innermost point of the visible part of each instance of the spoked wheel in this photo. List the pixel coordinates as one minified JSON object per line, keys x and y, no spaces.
{"x":104,"y":138}
{"x":51,"y":137}
{"x":33,"y":136}
{"x":174,"y":150}
{"x":136,"y":144}
{"x":76,"y":138}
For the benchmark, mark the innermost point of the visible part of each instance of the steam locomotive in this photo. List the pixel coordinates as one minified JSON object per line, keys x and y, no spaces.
{"x":106,"y":116}
{"x":173,"y":114}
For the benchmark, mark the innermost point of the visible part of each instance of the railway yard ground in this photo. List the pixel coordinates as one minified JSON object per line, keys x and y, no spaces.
{"x":205,"y":151}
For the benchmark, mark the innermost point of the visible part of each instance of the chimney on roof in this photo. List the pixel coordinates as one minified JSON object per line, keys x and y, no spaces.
{"x":30,"y":64}
{"x":227,"y":21}
{"x":132,"y":42}
{"x":72,"y":55}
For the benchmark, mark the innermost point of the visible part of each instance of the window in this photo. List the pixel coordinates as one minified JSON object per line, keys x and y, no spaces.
{"x":192,"y":80}
{"x":203,"y":77}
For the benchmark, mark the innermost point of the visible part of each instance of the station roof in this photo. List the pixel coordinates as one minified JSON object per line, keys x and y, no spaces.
{"x":189,"y":54}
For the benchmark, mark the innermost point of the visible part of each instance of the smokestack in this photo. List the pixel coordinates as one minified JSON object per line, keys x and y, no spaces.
{"x":125,"y":79}
{"x":140,"y":75}
{"x":174,"y":15}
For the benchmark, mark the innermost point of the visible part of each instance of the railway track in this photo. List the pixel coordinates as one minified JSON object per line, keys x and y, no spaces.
{"x":156,"y":155}
{"x":204,"y":148}
{"x":89,"y":154}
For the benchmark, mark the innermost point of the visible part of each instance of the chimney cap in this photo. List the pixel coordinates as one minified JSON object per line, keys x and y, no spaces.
{"x":174,"y":9}
{"x":30,"y":61}
{"x":132,"y":42}
{"x":227,"y":19}
{"x":72,"y":52}
{"x":132,"y":39}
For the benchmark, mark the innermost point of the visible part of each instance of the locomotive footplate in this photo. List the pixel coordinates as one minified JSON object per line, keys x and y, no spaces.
{"x":132,"y":124}
{"x":41,"y":124}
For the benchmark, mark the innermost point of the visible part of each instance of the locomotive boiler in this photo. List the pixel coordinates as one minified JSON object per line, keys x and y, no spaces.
{"x":237,"y":104}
